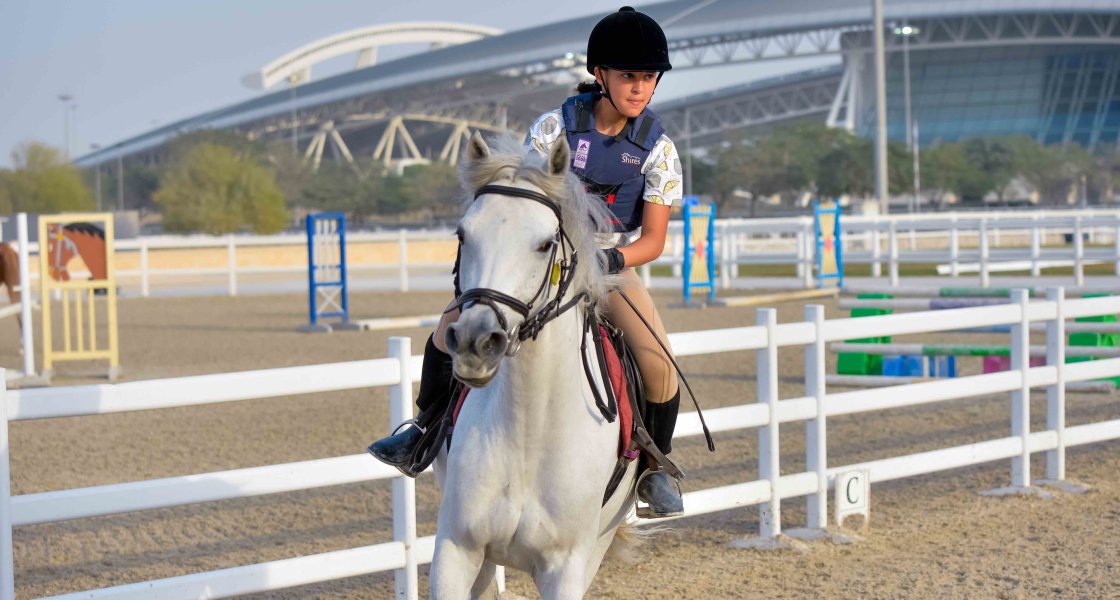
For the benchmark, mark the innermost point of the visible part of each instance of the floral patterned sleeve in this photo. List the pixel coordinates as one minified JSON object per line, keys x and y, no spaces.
{"x":663,"y":174}
{"x":546,"y":130}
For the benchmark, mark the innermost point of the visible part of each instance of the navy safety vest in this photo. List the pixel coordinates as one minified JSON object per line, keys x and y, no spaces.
{"x":611,"y":167}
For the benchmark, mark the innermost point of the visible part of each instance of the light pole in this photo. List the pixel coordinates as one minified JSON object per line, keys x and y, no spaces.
{"x":66,"y":106}
{"x":96,"y":178}
{"x":906,"y":31}
{"x":881,"y":188}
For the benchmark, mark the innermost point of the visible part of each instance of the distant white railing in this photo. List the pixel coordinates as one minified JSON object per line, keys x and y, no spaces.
{"x":401,"y":369}
{"x":974,"y":242}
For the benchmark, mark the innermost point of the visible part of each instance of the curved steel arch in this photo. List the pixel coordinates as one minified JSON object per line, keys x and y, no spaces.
{"x":296,"y":65}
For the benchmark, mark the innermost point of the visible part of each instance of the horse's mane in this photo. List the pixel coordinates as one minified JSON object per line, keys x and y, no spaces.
{"x":86,"y":228}
{"x":584,"y":215}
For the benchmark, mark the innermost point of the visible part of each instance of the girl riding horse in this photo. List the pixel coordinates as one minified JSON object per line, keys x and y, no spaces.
{"x":621,"y":153}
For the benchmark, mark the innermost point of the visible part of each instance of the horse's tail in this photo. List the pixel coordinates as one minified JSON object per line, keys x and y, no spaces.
{"x":629,"y":541}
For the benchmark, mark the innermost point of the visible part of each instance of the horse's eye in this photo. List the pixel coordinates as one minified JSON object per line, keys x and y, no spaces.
{"x":546,"y":246}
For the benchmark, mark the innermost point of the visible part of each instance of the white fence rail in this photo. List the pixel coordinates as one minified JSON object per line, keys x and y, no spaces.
{"x":980,"y":243}
{"x":401,"y":369}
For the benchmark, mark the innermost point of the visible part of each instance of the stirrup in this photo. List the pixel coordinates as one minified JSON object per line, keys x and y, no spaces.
{"x":668,"y":506}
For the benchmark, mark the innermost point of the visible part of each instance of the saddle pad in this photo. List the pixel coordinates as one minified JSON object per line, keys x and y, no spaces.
{"x":621,"y":393}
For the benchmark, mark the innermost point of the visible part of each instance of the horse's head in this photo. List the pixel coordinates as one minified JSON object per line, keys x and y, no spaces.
{"x":527,"y":251}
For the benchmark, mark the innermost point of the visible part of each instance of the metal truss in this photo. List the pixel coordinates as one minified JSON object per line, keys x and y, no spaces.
{"x":935,"y":33}
{"x":709,"y":122}
{"x":396,"y":146}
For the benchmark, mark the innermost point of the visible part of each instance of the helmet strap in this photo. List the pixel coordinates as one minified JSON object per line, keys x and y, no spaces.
{"x":607,"y":90}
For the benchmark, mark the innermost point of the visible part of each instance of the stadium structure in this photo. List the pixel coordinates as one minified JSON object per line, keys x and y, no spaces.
{"x":1044,"y":68}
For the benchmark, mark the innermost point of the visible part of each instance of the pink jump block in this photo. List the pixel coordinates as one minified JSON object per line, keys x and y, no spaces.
{"x":995,"y":364}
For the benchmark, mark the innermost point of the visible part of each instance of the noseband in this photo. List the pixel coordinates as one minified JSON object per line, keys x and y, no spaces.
{"x":558,"y":273}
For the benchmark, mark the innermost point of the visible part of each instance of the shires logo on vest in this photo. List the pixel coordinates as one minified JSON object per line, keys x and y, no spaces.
{"x":630,"y":159}
{"x":583,"y":148}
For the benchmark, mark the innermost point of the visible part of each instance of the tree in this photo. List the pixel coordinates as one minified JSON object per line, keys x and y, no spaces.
{"x":215,"y":190}
{"x":338,"y":187}
{"x":433,"y":188}
{"x":1053,"y":170}
{"x":42,"y":182}
{"x":942,"y":169}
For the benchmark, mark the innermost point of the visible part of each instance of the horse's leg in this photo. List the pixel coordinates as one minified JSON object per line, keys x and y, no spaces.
{"x":484,"y":585}
{"x":454,"y":569}
{"x":565,"y":580}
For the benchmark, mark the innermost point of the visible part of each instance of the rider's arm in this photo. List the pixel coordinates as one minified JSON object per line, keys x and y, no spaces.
{"x":651,"y":243}
{"x":663,"y":189}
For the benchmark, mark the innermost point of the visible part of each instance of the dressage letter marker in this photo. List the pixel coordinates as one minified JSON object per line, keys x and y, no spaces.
{"x":853,"y":496}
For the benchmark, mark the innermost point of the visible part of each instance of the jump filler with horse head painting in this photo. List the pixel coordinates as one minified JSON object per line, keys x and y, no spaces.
{"x":88,"y":324}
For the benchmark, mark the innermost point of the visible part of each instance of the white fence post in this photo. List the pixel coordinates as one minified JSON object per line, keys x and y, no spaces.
{"x":954,"y":246}
{"x":402,"y":245}
{"x":28,"y":327}
{"x":801,"y":253}
{"x":404,"y":488}
{"x":1078,"y":253}
{"x":644,"y":270}
{"x":769,"y":512}
{"x":892,"y":256}
{"x":816,"y":441}
{"x":736,"y":239}
{"x":1036,"y":247}
{"x":876,"y":252}
{"x":231,"y":251}
{"x":678,"y":253}
{"x":144,"y":284}
{"x":7,"y":557}
{"x":1056,"y":394}
{"x":1116,"y":246}
{"x":725,"y":257}
{"x":1021,"y":398}
{"x":985,"y":279}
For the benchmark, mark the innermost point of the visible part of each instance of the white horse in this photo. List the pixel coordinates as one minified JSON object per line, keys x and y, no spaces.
{"x":532,"y":453}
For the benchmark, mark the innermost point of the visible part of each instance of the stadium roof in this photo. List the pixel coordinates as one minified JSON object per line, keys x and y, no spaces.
{"x":689,"y":25}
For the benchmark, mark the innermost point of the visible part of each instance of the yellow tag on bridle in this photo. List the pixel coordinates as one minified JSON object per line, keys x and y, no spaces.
{"x":555,"y":273}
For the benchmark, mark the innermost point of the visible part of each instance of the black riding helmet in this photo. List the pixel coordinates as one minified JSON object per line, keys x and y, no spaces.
{"x":628,"y":41}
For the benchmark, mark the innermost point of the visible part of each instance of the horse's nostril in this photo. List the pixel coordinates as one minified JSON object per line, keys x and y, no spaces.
{"x":493,"y":344}
{"x":450,"y":340}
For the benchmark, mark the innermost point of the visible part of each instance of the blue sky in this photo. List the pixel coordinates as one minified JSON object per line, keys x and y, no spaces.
{"x":135,"y":64}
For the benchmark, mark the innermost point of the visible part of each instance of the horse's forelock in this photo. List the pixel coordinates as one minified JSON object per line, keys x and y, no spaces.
{"x":584,"y":216}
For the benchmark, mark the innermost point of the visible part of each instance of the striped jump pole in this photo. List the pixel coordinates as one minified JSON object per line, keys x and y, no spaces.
{"x":1096,"y":387}
{"x":965,"y":350}
{"x":919,"y":303}
{"x":957,"y":292}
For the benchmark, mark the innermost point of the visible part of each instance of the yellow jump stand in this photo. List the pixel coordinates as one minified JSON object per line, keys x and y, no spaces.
{"x":88,"y":237}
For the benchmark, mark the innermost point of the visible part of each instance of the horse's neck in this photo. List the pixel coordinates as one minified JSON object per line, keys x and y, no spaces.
{"x":547,"y":370}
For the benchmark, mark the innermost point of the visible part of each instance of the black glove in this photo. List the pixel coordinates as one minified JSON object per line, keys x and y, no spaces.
{"x":613,"y":261}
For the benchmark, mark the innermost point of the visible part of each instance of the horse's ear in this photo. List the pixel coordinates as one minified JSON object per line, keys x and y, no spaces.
{"x":558,"y":157}
{"x":477,"y":147}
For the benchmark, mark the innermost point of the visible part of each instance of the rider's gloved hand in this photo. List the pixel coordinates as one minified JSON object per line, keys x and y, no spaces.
{"x":612,"y":260}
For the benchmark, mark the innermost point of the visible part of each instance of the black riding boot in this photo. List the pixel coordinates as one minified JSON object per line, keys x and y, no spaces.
{"x":401,"y":449}
{"x":655,"y":487}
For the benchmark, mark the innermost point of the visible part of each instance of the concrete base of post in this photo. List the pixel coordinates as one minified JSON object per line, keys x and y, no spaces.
{"x":1015,"y":490}
{"x":17,"y":379}
{"x":779,"y":542}
{"x":830,"y":535}
{"x":1063,"y":485}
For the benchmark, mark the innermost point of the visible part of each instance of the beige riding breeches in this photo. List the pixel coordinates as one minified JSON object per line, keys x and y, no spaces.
{"x":658,"y":375}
